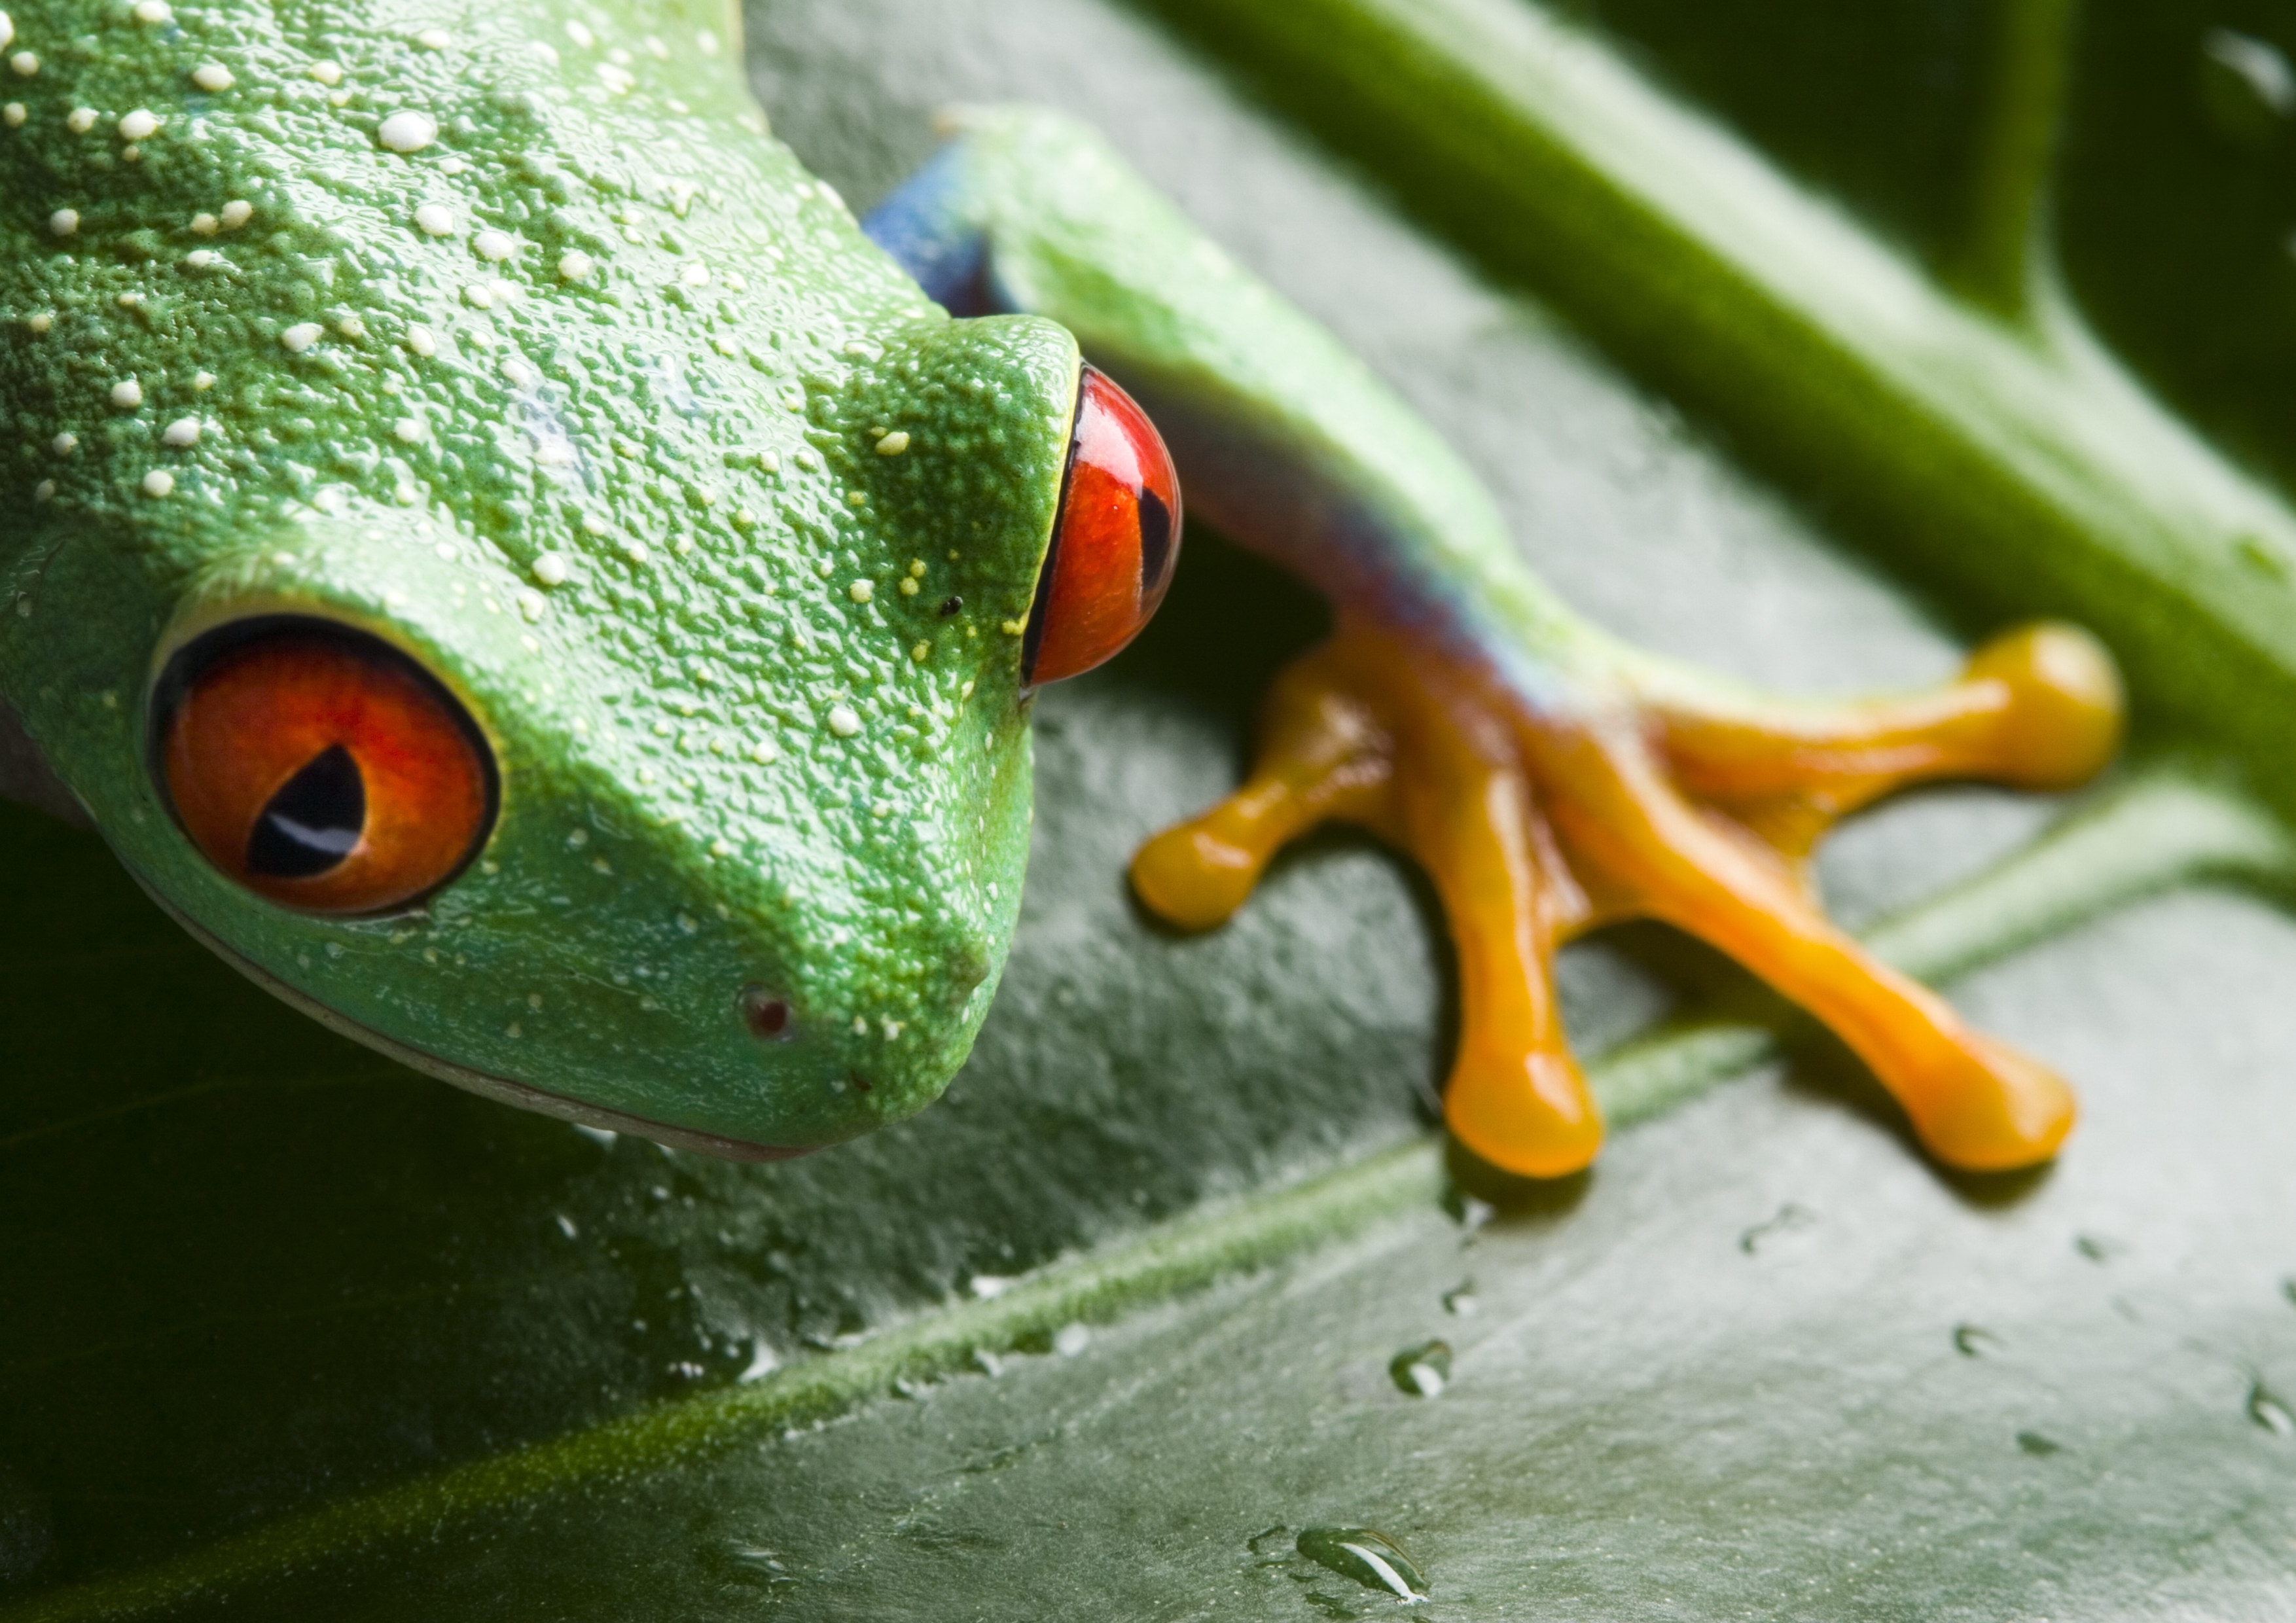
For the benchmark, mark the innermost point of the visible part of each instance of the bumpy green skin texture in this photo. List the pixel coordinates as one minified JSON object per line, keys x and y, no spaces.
{"x":691,"y":426}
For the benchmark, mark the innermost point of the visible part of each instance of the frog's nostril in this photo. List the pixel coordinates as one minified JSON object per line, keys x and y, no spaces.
{"x":764,"y":1012}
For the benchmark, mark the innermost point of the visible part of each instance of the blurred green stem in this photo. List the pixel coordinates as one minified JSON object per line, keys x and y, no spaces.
{"x":2005,"y":237}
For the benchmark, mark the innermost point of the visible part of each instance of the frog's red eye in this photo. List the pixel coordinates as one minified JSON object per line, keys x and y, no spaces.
{"x":321,"y":767}
{"x":1115,"y":542}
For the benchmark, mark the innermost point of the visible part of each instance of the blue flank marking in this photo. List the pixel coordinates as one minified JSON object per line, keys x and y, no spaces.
{"x":923,"y":225}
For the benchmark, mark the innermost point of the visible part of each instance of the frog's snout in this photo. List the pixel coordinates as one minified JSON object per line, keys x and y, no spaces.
{"x":1115,"y":543}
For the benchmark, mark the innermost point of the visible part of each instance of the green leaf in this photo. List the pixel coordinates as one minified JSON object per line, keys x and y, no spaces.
{"x":287,"y":1332}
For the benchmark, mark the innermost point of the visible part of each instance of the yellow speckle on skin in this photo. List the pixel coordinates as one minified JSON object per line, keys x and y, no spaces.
{"x":862,"y":591}
{"x":203,"y":380}
{"x":141,"y":125}
{"x":206,"y":225}
{"x":921,"y":652}
{"x":25,"y":62}
{"x":894,"y":443}
{"x":14,"y":114}
{"x":908,"y":586}
{"x":1014,"y":628}
{"x":79,"y":120}
{"x":40,"y":321}
{"x":45,"y":490}
{"x":237,"y":213}
{"x":327,"y":73}
{"x":127,"y":394}
{"x":63,"y":445}
{"x":159,"y":482}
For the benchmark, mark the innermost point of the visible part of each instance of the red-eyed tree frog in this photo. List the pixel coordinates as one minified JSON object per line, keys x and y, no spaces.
{"x":506,"y":558}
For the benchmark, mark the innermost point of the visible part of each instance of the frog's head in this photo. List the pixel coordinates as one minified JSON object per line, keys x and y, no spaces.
{"x":679,"y":795}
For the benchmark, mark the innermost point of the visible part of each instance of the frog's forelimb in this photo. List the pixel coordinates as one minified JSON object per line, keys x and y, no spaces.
{"x":1549,"y":779}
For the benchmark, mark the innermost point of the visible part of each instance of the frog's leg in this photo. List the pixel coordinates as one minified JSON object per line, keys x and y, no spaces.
{"x":1547,"y":778}
{"x":2038,"y":707}
{"x":1348,"y":735}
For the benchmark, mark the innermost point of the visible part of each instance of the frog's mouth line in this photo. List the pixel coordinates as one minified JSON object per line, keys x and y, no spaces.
{"x":501,"y":1089}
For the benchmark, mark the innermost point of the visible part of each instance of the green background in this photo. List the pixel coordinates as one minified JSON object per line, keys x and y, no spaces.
{"x":249,"y":1270}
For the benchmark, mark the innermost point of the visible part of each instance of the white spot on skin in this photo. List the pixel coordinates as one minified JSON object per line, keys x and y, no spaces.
{"x":328,"y":73}
{"x":435,"y":39}
{"x":64,"y":444}
{"x":435,"y":220}
{"x":80,"y":120}
{"x":351,"y":326}
{"x":206,"y":225}
{"x":237,"y":213}
{"x":619,"y":80}
{"x":419,"y":340}
{"x":203,"y":380}
{"x":182,"y":431}
{"x":579,"y":33}
{"x":42,"y":491}
{"x":40,"y":321}
{"x":408,"y":131}
{"x":63,"y":222}
{"x":127,"y":394}
{"x":7,"y":29}
{"x":763,"y":753}
{"x":478,"y":297}
{"x":212,"y":77}
{"x":531,"y":604}
{"x":494,"y":245}
{"x":159,"y":482}
{"x":153,"y":12}
{"x":519,"y":373}
{"x":552,"y":569}
{"x":14,"y":114}
{"x":696,"y":275}
{"x":576,"y":267}
{"x":707,"y":41}
{"x":202,"y":259}
{"x":410,"y":430}
{"x":894,"y":443}
{"x":141,"y":125}
{"x":301,"y":336}
{"x":25,"y":62}
{"x":842,"y":721}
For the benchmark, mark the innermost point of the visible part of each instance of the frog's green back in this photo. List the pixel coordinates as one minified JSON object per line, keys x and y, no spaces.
{"x":509,"y":335}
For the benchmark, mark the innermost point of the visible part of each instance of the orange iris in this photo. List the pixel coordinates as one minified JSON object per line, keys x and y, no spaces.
{"x":321,"y":768}
{"x":1116,"y":542}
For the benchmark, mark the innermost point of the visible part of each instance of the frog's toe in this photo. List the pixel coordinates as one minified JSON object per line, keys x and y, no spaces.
{"x":1974,"y":1102}
{"x":1323,"y":754}
{"x":1989,"y":1107}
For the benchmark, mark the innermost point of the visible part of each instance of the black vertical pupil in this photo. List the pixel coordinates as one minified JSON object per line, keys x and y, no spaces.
{"x":314,"y":822}
{"x":1155,"y":539}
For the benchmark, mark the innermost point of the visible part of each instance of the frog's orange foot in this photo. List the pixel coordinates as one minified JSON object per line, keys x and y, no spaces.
{"x":1647,"y":795}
